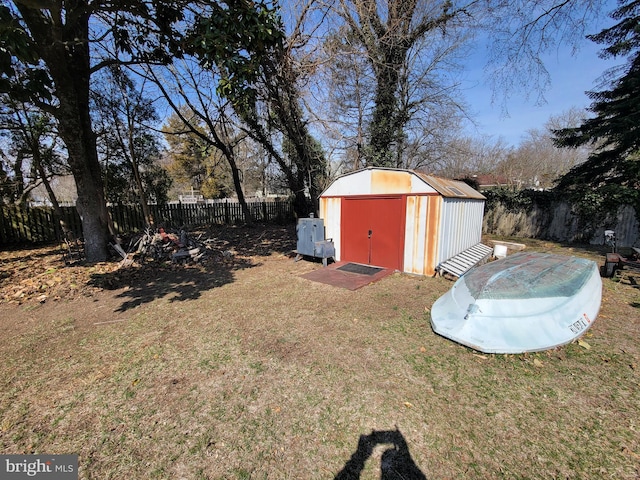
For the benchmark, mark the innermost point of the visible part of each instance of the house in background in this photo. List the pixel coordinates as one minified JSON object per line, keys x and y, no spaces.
{"x":486,"y":182}
{"x":400,"y":219}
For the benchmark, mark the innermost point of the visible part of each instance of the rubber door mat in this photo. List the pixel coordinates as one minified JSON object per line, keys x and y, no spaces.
{"x":359,"y":269}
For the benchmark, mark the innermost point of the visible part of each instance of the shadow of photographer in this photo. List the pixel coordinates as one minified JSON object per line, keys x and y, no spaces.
{"x":396,"y":462}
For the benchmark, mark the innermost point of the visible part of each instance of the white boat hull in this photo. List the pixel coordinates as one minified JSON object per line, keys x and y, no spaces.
{"x":525,"y":302}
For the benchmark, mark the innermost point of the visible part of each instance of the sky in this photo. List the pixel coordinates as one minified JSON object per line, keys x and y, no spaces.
{"x":571,"y":76}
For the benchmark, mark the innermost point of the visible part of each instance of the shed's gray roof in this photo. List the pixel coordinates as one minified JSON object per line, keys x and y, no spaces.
{"x":451,"y":188}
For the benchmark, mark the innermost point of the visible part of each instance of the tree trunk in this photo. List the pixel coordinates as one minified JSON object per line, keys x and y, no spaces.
{"x":235,"y":173}
{"x":301,"y":206}
{"x":384,"y":128}
{"x":142,"y":195}
{"x":19,"y":196}
{"x":64,"y":48}
{"x":229,"y":154}
{"x":91,"y":204}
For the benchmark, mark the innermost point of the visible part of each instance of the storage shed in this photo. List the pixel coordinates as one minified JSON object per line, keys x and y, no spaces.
{"x":400,"y":219}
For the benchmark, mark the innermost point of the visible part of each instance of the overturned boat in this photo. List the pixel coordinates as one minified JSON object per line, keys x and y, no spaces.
{"x":525,"y":302}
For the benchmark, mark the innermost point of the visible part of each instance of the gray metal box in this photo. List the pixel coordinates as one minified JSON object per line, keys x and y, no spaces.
{"x":310,"y":231}
{"x":324,"y":249}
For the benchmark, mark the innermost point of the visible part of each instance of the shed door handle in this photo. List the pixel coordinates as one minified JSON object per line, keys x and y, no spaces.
{"x":370,"y":233}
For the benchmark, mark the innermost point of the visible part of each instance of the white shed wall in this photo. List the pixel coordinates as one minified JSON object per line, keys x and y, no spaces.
{"x":377,"y":182}
{"x":354,"y":184}
{"x":418,"y":186}
{"x":460,"y":226}
{"x":330,"y":212}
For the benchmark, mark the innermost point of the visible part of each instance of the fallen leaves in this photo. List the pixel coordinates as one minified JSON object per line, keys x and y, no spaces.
{"x":40,"y":275}
{"x":584,"y":344}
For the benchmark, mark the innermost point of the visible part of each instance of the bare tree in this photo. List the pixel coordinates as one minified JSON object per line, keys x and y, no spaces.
{"x":538,"y":162}
{"x":37,"y":154}
{"x":410,"y":51}
{"x":521,"y":32}
{"x":190,"y":92}
{"x":275,"y":118}
{"x":466,"y":157}
{"x":350,"y":96}
{"x":122,"y":114}
{"x":392,"y":36}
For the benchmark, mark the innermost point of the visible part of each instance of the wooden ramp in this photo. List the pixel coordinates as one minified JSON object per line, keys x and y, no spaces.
{"x":465,"y":261}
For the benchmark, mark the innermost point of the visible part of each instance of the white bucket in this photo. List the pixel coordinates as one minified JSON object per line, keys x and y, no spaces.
{"x":500,"y":251}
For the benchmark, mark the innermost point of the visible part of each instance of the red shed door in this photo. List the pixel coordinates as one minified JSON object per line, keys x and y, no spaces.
{"x":373,"y":231}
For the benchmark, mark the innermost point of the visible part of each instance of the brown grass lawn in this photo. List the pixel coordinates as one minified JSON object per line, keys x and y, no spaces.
{"x":240,"y":369}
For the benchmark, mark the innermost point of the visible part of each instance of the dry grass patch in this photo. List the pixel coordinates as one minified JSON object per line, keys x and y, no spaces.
{"x":246,"y":370}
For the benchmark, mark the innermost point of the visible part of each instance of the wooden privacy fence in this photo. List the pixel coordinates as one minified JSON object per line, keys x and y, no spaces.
{"x":38,"y":224}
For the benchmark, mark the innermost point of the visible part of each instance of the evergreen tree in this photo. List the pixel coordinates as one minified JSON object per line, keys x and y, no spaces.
{"x":613,"y":169}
